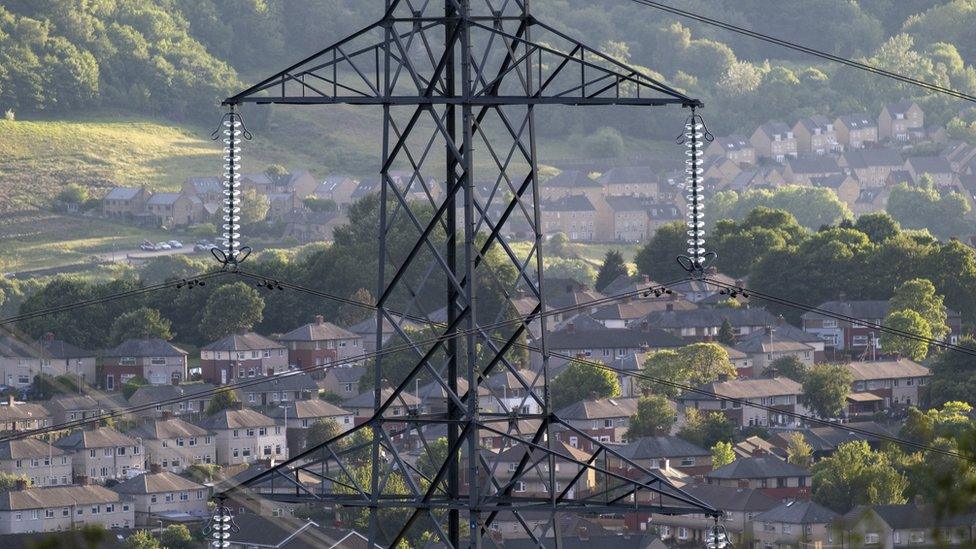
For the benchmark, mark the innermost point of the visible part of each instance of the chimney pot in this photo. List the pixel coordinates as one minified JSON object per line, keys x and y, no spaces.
{"x":669,"y":307}
{"x":644,"y":325}
{"x":167,"y":414}
{"x":21,"y":484}
{"x":82,"y":480}
{"x":11,"y":399}
{"x":571,"y":328}
{"x":49,"y":336}
{"x":319,"y":319}
{"x":155,"y":468}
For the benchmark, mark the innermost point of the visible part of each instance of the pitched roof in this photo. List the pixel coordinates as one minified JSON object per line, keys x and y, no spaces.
{"x":346,"y":374}
{"x":826,"y":439}
{"x":869,"y":158}
{"x":734,"y":142}
{"x":163,"y":198}
{"x":73,"y":402}
{"x":122,"y":193}
{"x":909,"y":516}
{"x":573,"y":179}
{"x":22,"y":410}
{"x":57,"y":348}
{"x":624,"y":175}
{"x":159,"y":393}
{"x":886,"y":369}
{"x":290,"y":381}
{"x":318,"y":331}
{"x":747,"y":388}
{"x":236,"y":419}
{"x":308,"y":409}
{"x":863,"y":310}
{"x":757,"y":467}
{"x":249,"y":341}
{"x":929,"y":164}
{"x":27,"y":448}
{"x":14,"y":348}
{"x":797,"y":512}
{"x":814,"y":122}
{"x":56,"y":496}
{"x":154,"y":483}
{"x":365,"y":399}
{"x":760,"y":341}
{"x":814,"y":164}
{"x":584,"y":332}
{"x":774,"y":127}
{"x":603,"y":408}
{"x":729,"y":498}
{"x":168,"y":428}
{"x":145,"y":347}
{"x":858,"y":121}
{"x":831,"y":181}
{"x":660,"y":447}
{"x":899,"y":107}
{"x":699,"y":318}
{"x":569,"y":203}
{"x":102,"y":437}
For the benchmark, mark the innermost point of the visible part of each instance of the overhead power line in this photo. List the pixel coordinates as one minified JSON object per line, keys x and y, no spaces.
{"x":808,"y":50}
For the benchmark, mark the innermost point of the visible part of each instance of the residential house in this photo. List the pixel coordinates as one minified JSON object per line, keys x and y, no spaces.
{"x":534,"y":480}
{"x":362,"y":405}
{"x":959,"y":154}
{"x":775,"y":477}
{"x":779,"y":393}
{"x":245,"y":436}
{"x":846,"y":187}
{"x":697,"y":324}
{"x":824,"y":440}
{"x":434,"y":397}
{"x":586,"y":337}
{"x":180,"y":400}
{"x":175,"y":209}
{"x":257,"y":182}
{"x":209,"y":189}
{"x":306,"y":226}
{"x":630,"y":220}
{"x":511,"y":393}
{"x":816,"y":135}
{"x":573,"y":215}
{"x":603,"y":420}
{"x":299,"y":416}
{"x":902,"y":525}
{"x":77,"y":361}
{"x":763,"y":347}
{"x":740,"y":506}
{"x":802,"y":170}
{"x":870,"y":200}
{"x":936,"y":167}
{"x":871,"y":167}
{"x":367,"y":329}
{"x":76,"y":407}
{"x":35,"y":460}
{"x":239,"y":356}
{"x":299,"y":183}
{"x":174,"y":444}
{"x":622,"y":313}
{"x":102,"y":454}
{"x":342,"y":380}
{"x":20,"y":362}
{"x":566,"y":300}
{"x":735,"y":147}
{"x":721,"y":169}
{"x":793,"y":524}
{"x":899,"y":120}
{"x":275,"y":390}
{"x":320,"y":343}
{"x":338,"y":188}
{"x":273,"y":531}
{"x":125,"y":202}
{"x":659,"y":214}
{"x":698,"y":290}
{"x":897,"y":381}
{"x":856,"y":338}
{"x":62,"y":508}
{"x":666,"y":453}
{"x":22,"y":416}
{"x":282,"y":206}
{"x":774,"y":140}
{"x":854,"y":131}
{"x":630,"y":181}
{"x":570,"y":183}
{"x":757,"y":447}
{"x":161,"y":496}
{"x":154,"y":359}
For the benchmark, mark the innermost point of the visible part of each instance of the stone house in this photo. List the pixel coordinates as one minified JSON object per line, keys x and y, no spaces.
{"x":158,"y":494}
{"x":245,"y":436}
{"x":35,"y":460}
{"x":779,"y":393}
{"x":299,"y":416}
{"x":774,"y":140}
{"x":125,"y":202}
{"x":174,"y":444}
{"x":102,"y":454}
{"x":175,"y":209}
{"x":898,"y":120}
{"x":604,"y":419}
{"x":793,"y":524}
{"x":816,"y":135}
{"x":855,"y":130}
{"x":735,"y":147}
{"x":774,"y":476}
{"x":60,"y":508}
{"x":156,"y":360}
{"x":77,"y":361}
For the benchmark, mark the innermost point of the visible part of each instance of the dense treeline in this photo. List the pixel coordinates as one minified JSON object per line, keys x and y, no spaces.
{"x":178,"y":57}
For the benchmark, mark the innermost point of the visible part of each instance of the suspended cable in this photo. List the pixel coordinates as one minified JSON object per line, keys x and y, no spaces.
{"x":811,"y":51}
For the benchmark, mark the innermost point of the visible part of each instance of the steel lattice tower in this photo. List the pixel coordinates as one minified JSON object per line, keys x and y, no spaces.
{"x":458,"y":83}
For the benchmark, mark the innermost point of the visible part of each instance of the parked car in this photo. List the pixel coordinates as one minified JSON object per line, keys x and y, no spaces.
{"x":175,"y":243}
{"x":163,"y":246}
{"x":147,"y":246}
{"x":203,"y":246}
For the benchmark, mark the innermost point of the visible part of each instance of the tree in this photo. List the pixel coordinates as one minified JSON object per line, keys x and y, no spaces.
{"x":73,"y":193}
{"x":8,"y":482}
{"x":132,"y":385}
{"x":911,"y":322}
{"x":176,"y":536}
{"x":952,"y":421}
{"x":825,"y":389}
{"x":316,"y":204}
{"x":656,"y":258}
{"x":693,"y":364}
{"x":704,"y":429}
{"x":322,"y":430}
{"x":225,"y":399}
{"x":954,"y":376}
{"x":722,"y":454}
{"x":918,"y":294}
{"x":879,"y":226}
{"x":798,"y":452}
{"x":432,"y":457}
{"x":582,"y":380}
{"x":141,"y":539}
{"x":612,"y":268}
{"x":923,"y":207}
{"x":230,"y":309}
{"x":856,"y":475}
{"x":726,"y":334}
{"x":277,"y":174}
{"x":655,"y":416}
{"x":140,"y":323}
{"x":254,"y":207}
{"x":350,"y":314}
{"x":786,"y":366}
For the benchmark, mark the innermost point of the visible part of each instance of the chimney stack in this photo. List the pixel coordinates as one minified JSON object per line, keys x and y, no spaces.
{"x":21,"y":484}
{"x":155,"y":468}
{"x":571,"y":328}
{"x":82,"y":480}
{"x":49,"y":336}
{"x":11,"y":398}
{"x":644,"y":326}
{"x":319,"y":320}
{"x":167,"y":414}
{"x":669,"y":307}
{"x":758,"y":452}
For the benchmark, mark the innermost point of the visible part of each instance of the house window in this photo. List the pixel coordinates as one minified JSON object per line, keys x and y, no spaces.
{"x":158,"y":361}
{"x":267,"y":353}
{"x":48,"y":513}
{"x":520,"y":486}
{"x":871,"y":538}
{"x":687,"y":462}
